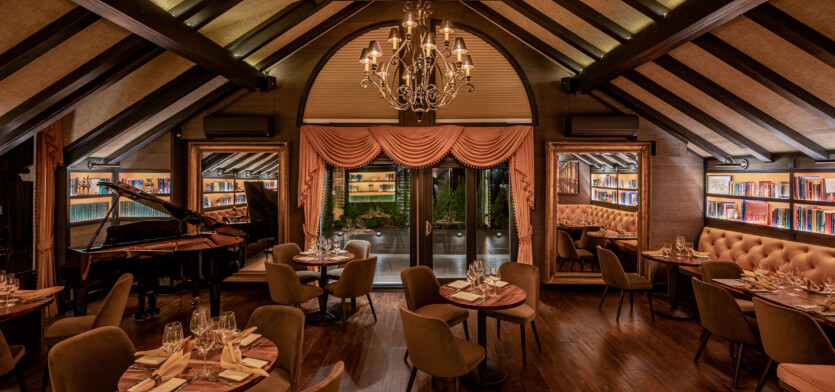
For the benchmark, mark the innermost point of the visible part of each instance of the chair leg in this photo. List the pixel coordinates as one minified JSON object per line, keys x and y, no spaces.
{"x":466,"y":330}
{"x":731,"y":349}
{"x":535,"y":335}
{"x":631,"y":302}
{"x":651,"y":311}
{"x":45,"y":380}
{"x":562,"y":261}
{"x":457,"y":384}
{"x":21,"y":380}
{"x":406,"y":357}
{"x":498,"y":328}
{"x":603,"y":298}
{"x":620,"y":305}
{"x":702,"y":344}
{"x":524,"y":353}
{"x":571,"y":266}
{"x":739,"y":363}
{"x":344,"y":314}
{"x":764,"y":377}
{"x":411,"y":379}
{"x":371,"y":304}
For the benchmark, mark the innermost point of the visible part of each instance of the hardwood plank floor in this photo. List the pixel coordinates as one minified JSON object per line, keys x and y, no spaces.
{"x":583,"y":348}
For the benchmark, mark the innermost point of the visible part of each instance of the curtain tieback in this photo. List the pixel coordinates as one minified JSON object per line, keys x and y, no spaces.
{"x":46,"y":245}
{"x":526,"y":239}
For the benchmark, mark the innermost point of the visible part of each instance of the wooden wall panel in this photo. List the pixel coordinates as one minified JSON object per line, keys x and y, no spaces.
{"x":155,"y":156}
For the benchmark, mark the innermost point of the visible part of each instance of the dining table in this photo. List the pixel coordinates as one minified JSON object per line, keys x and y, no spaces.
{"x":261,"y":348}
{"x":323,"y":261}
{"x":509,"y":296}
{"x":576,"y":226}
{"x":611,"y":236}
{"x":674,"y":262}
{"x":23,"y":323}
{"x":780,"y":297}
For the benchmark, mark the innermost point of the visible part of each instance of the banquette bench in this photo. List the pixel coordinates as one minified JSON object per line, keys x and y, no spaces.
{"x":609,"y":217}
{"x":218,"y":215}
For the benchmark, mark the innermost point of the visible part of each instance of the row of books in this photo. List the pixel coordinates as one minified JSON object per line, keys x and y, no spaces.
{"x":132,"y":209}
{"x":628,"y":184}
{"x":758,"y":189}
{"x":754,"y":211}
{"x":359,"y":177}
{"x":88,"y":211}
{"x":605,"y":180}
{"x":80,"y":186}
{"x":163,"y":185}
{"x":219,"y":186}
{"x":629,"y":198}
{"x":221,"y":201}
{"x":781,"y":218}
{"x":240,"y":198}
{"x":605,"y":196}
{"x":814,"y":219}
{"x":270,"y":184}
{"x":722,"y":210}
{"x":814,"y":188}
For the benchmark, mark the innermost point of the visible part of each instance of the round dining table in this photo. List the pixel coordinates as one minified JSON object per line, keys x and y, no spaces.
{"x":261,"y":348}
{"x":507,"y":297}
{"x":674,"y":262}
{"x":22,"y":308}
{"x":323,"y":315}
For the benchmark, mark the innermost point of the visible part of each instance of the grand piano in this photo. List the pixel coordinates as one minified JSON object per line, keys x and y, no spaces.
{"x":190,"y":246}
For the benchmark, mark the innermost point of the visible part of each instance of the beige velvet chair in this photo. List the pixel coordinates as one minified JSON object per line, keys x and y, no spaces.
{"x":435,"y":351}
{"x":331,"y":383}
{"x":588,"y":243}
{"x":110,"y":314}
{"x":284,"y":326}
{"x":92,"y":361}
{"x":361,"y":249}
{"x":614,"y":276}
{"x":725,"y":270}
{"x":806,"y":378}
{"x":722,"y":317}
{"x":10,"y":357}
{"x":283,"y":254}
{"x":285,"y":286}
{"x":358,"y":281}
{"x":791,"y":336}
{"x":527,"y":277}
{"x":567,"y":251}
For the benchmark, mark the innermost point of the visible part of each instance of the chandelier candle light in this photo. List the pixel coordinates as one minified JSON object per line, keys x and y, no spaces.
{"x":418,"y":75}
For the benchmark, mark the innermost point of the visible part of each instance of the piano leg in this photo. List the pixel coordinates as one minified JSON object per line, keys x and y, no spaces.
{"x":195,"y":292}
{"x":214,"y":299}
{"x":81,"y":301}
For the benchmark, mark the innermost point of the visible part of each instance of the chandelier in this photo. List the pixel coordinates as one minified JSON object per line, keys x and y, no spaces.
{"x":419,"y":75}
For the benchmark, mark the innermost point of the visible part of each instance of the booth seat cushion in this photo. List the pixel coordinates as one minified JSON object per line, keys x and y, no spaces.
{"x":218,"y":215}
{"x":807,"y":378}
{"x":612,"y":218}
{"x":569,"y":211}
{"x":747,"y":249}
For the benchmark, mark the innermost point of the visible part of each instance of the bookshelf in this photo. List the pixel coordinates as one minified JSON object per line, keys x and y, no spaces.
{"x":615,"y":189}
{"x":90,"y":203}
{"x":372,"y":186}
{"x":227,"y":191}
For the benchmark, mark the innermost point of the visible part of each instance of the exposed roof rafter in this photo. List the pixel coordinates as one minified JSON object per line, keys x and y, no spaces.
{"x":596,"y":19}
{"x":794,"y":31}
{"x":650,"y":8}
{"x":273,"y":27}
{"x":555,"y":28}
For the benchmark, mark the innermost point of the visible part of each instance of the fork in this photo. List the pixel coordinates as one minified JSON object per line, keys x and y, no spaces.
{"x":193,"y":379}
{"x":215,"y":379}
{"x":150,"y":369}
{"x":251,"y":346}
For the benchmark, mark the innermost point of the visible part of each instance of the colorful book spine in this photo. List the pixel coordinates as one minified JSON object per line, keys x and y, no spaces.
{"x":814,"y":219}
{"x":88,"y":211}
{"x":132,"y":209}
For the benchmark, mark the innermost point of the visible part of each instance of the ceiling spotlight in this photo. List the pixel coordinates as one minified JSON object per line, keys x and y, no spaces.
{"x":741,"y":164}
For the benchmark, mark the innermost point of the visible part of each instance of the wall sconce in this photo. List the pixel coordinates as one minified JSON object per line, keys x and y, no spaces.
{"x":741,"y":164}
{"x":101,"y":165}
{"x":825,"y":161}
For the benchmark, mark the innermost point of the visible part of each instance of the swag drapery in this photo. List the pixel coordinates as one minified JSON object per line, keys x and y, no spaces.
{"x":417,"y":147}
{"x":50,"y":156}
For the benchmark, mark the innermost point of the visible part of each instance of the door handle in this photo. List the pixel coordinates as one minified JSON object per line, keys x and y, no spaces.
{"x":428,"y":228}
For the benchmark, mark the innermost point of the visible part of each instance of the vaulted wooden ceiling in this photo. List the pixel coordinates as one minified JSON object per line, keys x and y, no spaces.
{"x":730,"y":77}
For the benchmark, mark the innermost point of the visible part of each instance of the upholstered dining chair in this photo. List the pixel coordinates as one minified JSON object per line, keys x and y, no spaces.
{"x":726,"y":270}
{"x":722,"y":317}
{"x":92,"y":361}
{"x":567,"y":251}
{"x":435,"y":351}
{"x":361,"y":249}
{"x":10,"y":357}
{"x":110,"y":314}
{"x":285,"y":286}
{"x":802,"y":378}
{"x":791,"y":336}
{"x":283,"y":254}
{"x":284,"y":326}
{"x":331,"y":383}
{"x":527,"y":277}
{"x":585,"y":242}
{"x":359,"y":279}
{"x":614,"y":276}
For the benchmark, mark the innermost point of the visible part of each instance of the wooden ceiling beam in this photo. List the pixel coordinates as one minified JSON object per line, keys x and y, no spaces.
{"x":596,"y":19}
{"x":617,"y":159}
{"x":45,"y":40}
{"x":208,"y":11}
{"x":794,"y":31}
{"x":663,"y":121}
{"x":276,"y":25}
{"x":231,"y":165}
{"x":525,"y":36}
{"x":262,"y":161}
{"x":214,"y":159}
{"x":555,"y":28}
{"x":600,"y":162}
{"x":767,"y":77}
{"x":699,"y":115}
{"x":650,"y":8}
{"x":584,"y":160}
{"x":682,"y":24}
{"x":742,"y":107}
{"x":154,"y":24}
{"x":273,"y":159}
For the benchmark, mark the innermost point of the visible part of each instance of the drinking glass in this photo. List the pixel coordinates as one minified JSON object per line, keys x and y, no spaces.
{"x":199,"y":322}
{"x":336,"y":242}
{"x":12,"y":285}
{"x":760,"y":269}
{"x":172,"y":338}
{"x":321,"y":244}
{"x":829,"y":283}
{"x":233,"y":338}
{"x":204,"y":344}
{"x":227,"y":320}
{"x":214,"y":331}
{"x":680,"y":240}
{"x":679,"y":247}
{"x":327,"y":246}
{"x":665,"y":249}
{"x":493,"y":272}
{"x":470,"y":277}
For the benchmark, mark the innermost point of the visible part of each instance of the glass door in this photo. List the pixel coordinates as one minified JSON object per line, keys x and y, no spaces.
{"x":449,"y":222}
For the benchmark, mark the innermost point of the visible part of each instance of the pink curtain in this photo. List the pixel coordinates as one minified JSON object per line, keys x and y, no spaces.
{"x":477,"y":147}
{"x":50,"y":156}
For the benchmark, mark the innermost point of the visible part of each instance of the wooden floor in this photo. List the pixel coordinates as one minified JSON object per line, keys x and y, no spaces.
{"x":583,"y":348}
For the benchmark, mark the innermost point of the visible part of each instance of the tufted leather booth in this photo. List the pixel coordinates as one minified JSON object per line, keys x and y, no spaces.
{"x":218,"y":215}
{"x":609,"y":217}
{"x":569,"y":211}
{"x":747,"y":249}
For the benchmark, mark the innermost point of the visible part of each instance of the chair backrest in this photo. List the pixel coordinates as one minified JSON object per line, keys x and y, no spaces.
{"x":431,"y":346}
{"x":284,"y":326}
{"x":720,"y":270}
{"x":420,"y":286}
{"x":791,"y":336}
{"x":92,"y":361}
{"x":285,"y":287}
{"x":720,"y":314}
{"x":565,"y":246}
{"x":114,"y":304}
{"x":361,"y":249}
{"x":283,"y":254}
{"x":7,"y":362}
{"x":357,"y":279}
{"x":331,"y":383}
{"x":612,"y":270}
{"x":525,"y":276}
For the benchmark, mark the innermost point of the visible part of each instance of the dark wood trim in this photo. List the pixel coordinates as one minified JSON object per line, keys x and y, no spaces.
{"x":596,"y":19}
{"x":212,"y":9}
{"x":158,"y":26}
{"x":794,"y":31}
{"x":278,"y":24}
{"x":237,"y":161}
{"x":650,"y":8}
{"x":687,"y":21}
{"x":45,"y":40}
{"x":471,"y":186}
{"x":663,"y":121}
{"x":264,"y":165}
{"x":767,"y":77}
{"x":742,"y":107}
{"x":699,"y":115}
{"x":555,"y":28}
{"x":524,"y":36}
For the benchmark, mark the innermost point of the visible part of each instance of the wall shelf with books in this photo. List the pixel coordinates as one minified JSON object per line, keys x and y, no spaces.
{"x":372,"y":186}
{"x":615,"y":189}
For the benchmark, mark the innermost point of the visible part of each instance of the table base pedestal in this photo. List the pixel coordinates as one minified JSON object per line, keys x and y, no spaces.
{"x":319,"y":317}
{"x":495,"y":375}
{"x":675,"y":314}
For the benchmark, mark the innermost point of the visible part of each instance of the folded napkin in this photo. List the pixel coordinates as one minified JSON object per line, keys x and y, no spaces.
{"x":307,"y":252}
{"x":599,"y":232}
{"x":498,"y":283}
{"x":251,"y":338}
{"x":748,"y":273}
{"x":248,"y":331}
{"x":188,"y":345}
{"x":173,"y":366}
{"x":307,"y":258}
{"x":230,"y":359}
{"x":458,"y":284}
{"x":760,"y":285}
{"x":813,"y":287}
{"x":465,"y":296}
{"x":659,"y":252}
{"x":27,"y":295}
{"x":696,"y":253}
{"x":829,"y":306}
{"x":338,"y":258}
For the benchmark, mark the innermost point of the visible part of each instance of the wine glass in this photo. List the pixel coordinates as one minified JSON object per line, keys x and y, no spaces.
{"x":493,"y":280}
{"x":233,"y":338}
{"x":680,"y":241}
{"x":172,"y":338}
{"x":760,"y":269}
{"x":471,"y":276}
{"x":12,"y":284}
{"x":214,"y":331}
{"x":203,"y":344}
{"x":665,"y":249}
{"x":227,"y":324}
{"x":327,"y":245}
{"x":199,"y":322}
{"x":829,"y":283}
{"x":336,"y":242}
